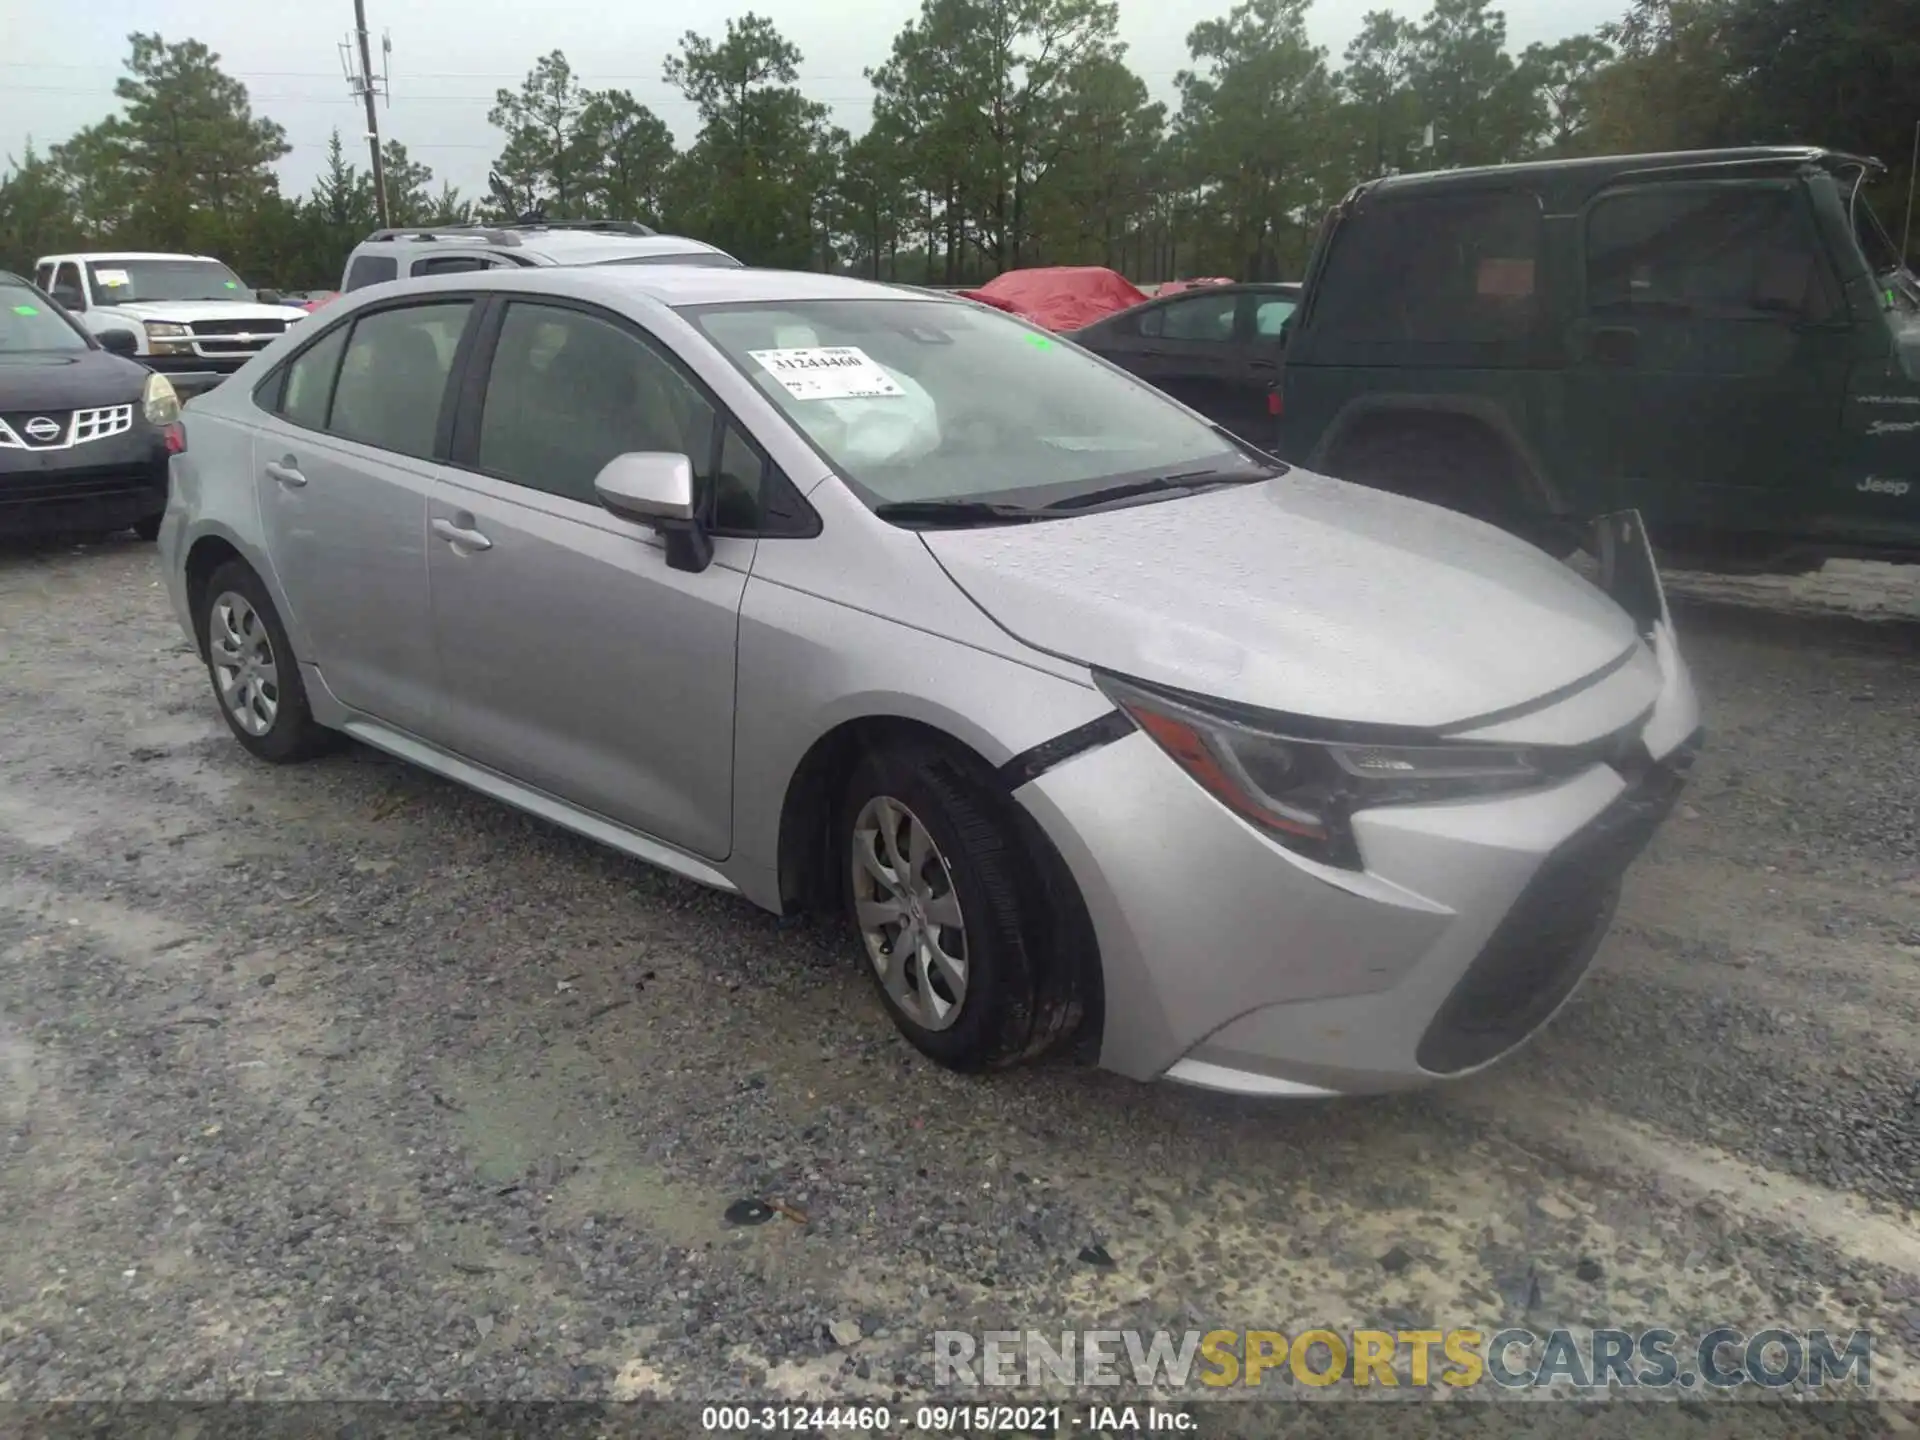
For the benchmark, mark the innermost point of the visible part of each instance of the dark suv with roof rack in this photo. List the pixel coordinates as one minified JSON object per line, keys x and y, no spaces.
{"x":445,"y":249}
{"x":1726,"y":341}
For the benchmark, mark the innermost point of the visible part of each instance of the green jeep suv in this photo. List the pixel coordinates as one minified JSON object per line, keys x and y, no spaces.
{"x":1724,"y":340}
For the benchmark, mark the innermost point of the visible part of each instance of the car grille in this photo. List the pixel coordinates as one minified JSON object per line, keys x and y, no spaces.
{"x":62,"y":429}
{"x":1539,"y":952}
{"x":238,"y":327}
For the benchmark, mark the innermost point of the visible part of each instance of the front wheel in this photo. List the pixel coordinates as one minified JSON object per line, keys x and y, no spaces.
{"x":950,"y":926}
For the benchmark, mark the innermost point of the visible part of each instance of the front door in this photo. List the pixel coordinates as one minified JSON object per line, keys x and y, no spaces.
{"x":343,"y":469}
{"x":1709,"y":364}
{"x":574,"y":658}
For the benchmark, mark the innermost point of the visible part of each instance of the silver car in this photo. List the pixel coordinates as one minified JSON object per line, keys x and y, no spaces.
{"x":1105,"y":732}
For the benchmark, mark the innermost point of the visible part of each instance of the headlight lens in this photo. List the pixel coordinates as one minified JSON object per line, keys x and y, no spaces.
{"x":165,"y":330}
{"x":1303,"y":792}
{"x":159,"y":403}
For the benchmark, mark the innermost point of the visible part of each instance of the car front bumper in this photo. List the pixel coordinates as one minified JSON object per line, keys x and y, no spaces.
{"x":99,"y":486}
{"x":1232,"y":963}
{"x":189,"y":374}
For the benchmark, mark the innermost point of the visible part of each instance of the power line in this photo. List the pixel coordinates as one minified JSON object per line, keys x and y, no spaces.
{"x":411,"y":99}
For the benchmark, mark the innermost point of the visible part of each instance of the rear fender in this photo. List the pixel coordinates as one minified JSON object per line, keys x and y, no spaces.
{"x":1365,"y":411}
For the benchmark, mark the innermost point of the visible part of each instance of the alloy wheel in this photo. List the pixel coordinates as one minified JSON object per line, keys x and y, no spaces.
{"x":909,"y":913}
{"x":244,"y":666}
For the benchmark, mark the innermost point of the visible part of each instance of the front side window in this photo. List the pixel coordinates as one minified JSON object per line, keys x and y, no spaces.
{"x":568,"y":391}
{"x":1706,"y":252}
{"x":1206,"y":318}
{"x":915,"y":400}
{"x":30,"y":324}
{"x":393,"y":377}
{"x":120,"y":282}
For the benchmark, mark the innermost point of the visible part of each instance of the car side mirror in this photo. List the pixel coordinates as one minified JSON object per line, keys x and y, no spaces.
{"x":119,"y":342}
{"x":655,"y":489}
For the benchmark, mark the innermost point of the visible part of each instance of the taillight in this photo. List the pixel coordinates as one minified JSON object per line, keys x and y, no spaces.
{"x":1273,"y":403}
{"x":176,"y":438}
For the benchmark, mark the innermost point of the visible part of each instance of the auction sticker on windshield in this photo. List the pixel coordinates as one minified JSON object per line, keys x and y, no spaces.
{"x":827,"y":372}
{"x":112,"y":279}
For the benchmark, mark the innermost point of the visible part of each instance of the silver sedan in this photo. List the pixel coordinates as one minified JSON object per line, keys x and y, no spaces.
{"x":1106,"y":732}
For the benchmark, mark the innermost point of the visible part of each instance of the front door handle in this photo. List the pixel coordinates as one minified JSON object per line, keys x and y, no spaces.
{"x":460,"y":535}
{"x":286,"y":473}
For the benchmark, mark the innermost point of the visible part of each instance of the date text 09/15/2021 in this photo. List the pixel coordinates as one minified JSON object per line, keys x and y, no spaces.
{"x":944,"y":1419}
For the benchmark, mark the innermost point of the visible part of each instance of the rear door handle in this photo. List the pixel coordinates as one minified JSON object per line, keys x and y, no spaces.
{"x":285,"y":472}
{"x":461,"y":536}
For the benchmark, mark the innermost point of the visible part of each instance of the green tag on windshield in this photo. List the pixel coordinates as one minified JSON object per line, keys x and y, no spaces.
{"x":25,"y":310}
{"x":1040,"y":342}
{"x":233,"y":284}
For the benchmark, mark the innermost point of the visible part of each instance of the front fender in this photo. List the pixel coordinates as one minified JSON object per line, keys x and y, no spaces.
{"x":808,"y":665}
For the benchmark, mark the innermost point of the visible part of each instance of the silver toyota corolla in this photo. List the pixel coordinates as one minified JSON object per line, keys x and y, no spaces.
{"x":1104,"y":731}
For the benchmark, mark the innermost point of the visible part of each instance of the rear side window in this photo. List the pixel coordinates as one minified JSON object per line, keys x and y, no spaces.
{"x":1706,"y":252}
{"x":371,"y":270}
{"x":1453,"y":270}
{"x":310,"y":380}
{"x":1204,"y":318}
{"x":394,"y":377}
{"x":450,"y":264}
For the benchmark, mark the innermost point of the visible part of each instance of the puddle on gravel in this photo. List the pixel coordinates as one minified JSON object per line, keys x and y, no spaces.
{"x":557,"y":1121}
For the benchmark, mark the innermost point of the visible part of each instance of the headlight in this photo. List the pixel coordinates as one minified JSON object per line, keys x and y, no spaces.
{"x":164,"y":337}
{"x":158,"y":402}
{"x":164,"y":329}
{"x":1303,"y":792}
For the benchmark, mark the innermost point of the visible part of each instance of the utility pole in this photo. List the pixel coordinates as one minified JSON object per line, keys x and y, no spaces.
{"x":365,"y":84}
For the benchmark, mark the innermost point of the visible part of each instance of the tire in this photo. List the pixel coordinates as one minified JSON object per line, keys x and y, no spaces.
{"x":148,"y":529}
{"x":261,"y":696}
{"x":1011,"y":1000}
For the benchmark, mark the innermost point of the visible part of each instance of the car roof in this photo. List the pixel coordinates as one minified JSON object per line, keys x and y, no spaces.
{"x":93,"y":257}
{"x":1577,"y":177}
{"x":676,"y":286}
{"x":570,"y":246}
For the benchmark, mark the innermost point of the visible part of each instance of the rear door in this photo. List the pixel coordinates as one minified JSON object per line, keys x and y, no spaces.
{"x":575,"y":659}
{"x":1710,"y":360}
{"x":1203,"y":349}
{"x":344,"y":464}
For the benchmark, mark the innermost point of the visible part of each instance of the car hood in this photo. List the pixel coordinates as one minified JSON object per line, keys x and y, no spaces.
{"x":67,"y":380}
{"x":181,"y":312}
{"x":1300,"y":594}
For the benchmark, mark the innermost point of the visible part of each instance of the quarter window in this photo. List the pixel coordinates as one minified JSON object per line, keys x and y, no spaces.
{"x":310,"y":380}
{"x":394,"y":377}
{"x":1717,"y":252}
{"x":568,"y":391}
{"x":371,"y":270}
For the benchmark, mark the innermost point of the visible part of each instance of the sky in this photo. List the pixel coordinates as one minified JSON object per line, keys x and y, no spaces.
{"x":450,"y":56}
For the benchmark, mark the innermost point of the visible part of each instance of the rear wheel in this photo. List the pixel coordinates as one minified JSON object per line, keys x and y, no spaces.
{"x":256,"y":678}
{"x":951,"y":929}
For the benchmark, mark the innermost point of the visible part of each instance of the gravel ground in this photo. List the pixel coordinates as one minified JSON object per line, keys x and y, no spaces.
{"x":338,"y":1081}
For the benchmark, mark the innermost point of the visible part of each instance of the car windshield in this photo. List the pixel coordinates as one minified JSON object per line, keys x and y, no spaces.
{"x":29,"y":323}
{"x":926,"y":400}
{"x":117,"y":282}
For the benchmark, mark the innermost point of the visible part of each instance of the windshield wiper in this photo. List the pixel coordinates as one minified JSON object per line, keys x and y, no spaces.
{"x":1186,"y":480}
{"x":956,"y":513}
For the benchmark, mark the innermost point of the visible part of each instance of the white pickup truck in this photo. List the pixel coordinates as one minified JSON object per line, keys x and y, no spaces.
{"x":193,"y":319}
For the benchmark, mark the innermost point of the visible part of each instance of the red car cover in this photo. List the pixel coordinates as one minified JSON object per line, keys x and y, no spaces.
{"x":1060,"y":297}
